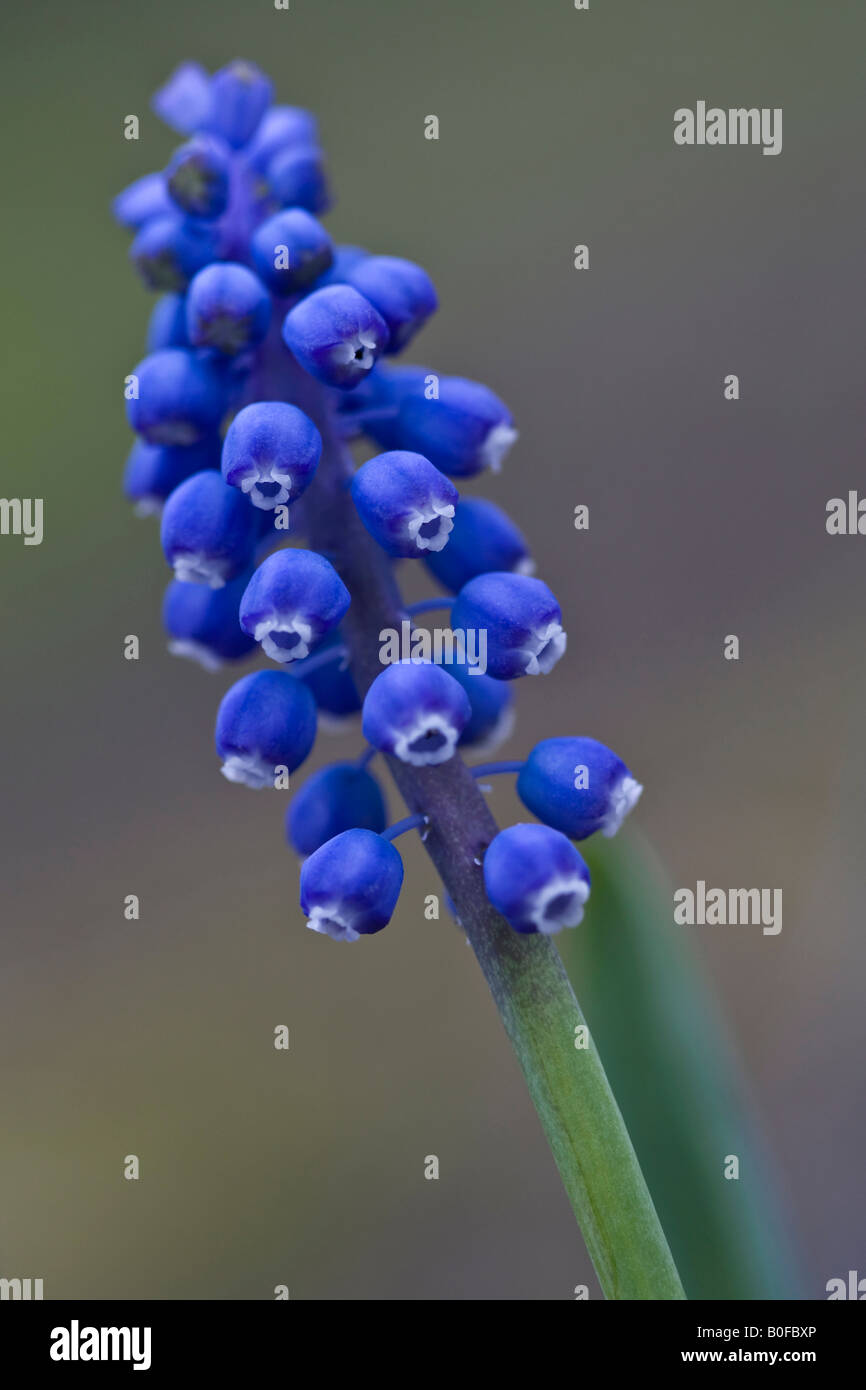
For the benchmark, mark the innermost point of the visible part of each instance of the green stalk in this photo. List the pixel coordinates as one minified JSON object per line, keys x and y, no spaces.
{"x":580,"y":1117}
{"x":568,"y":1085}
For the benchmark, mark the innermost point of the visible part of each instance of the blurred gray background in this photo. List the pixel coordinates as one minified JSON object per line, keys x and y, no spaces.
{"x":707,"y":518}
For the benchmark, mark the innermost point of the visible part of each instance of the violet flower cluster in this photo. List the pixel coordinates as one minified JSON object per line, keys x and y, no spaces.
{"x":266,"y":336}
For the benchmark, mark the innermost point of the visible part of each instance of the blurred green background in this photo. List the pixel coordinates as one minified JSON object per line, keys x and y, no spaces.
{"x":707,"y":518}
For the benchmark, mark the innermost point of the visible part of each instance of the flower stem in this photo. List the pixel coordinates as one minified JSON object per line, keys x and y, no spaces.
{"x":566,"y":1080}
{"x":494,"y":769}
{"x":402,"y":827}
{"x":429,"y":605}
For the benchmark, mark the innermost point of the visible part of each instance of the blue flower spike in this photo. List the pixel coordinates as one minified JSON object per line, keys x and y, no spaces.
{"x":271,"y":453}
{"x":463,"y":430}
{"x":340,"y":797}
{"x":266,"y":722}
{"x":291,"y":250}
{"x":209,"y":532}
{"x":522,"y":621}
{"x":350,"y":885}
{"x":198,"y":177}
{"x":405,"y":503}
{"x":227,"y":309}
{"x":271,"y":353}
{"x":292,"y":601}
{"x":578,"y":786}
{"x":180,"y":399}
{"x":336,"y":335}
{"x":535,"y":877}
{"x":416,"y":711}
{"x":401,"y":291}
{"x":202,"y":623}
{"x":484,"y":538}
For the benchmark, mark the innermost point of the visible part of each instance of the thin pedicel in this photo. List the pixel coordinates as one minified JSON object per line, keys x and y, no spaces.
{"x":267,"y":325}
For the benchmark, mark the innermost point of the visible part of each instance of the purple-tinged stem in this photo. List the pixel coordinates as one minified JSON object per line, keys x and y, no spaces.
{"x":402,"y":827}
{"x":541,"y":1015}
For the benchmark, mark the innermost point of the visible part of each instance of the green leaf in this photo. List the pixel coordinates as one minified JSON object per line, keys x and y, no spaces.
{"x":673,"y":1072}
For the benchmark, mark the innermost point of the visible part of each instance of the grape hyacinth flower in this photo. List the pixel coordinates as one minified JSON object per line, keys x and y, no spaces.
{"x":281,"y":128}
{"x":400,"y":291}
{"x":179,"y":398}
{"x":153,"y":471}
{"x":227,"y":309}
{"x":577,"y":785}
{"x":240,"y":94}
{"x":405,"y":503}
{"x":328,"y":676}
{"x":185,"y":100}
{"x":143,"y":201}
{"x":296,"y":178}
{"x":294,"y":598}
{"x":266,"y":722}
{"x":342,"y":796}
{"x":170,"y":249}
{"x":463,"y":429}
{"x":290,"y":251}
{"x":336,"y":335}
{"x":208,"y":532}
{"x":522,"y":619}
{"x":416,"y":712}
{"x":350,"y":885}
{"x":271,"y":452}
{"x":198,"y":177}
{"x":536,"y":878}
{"x":269,"y":350}
{"x":202,"y":623}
